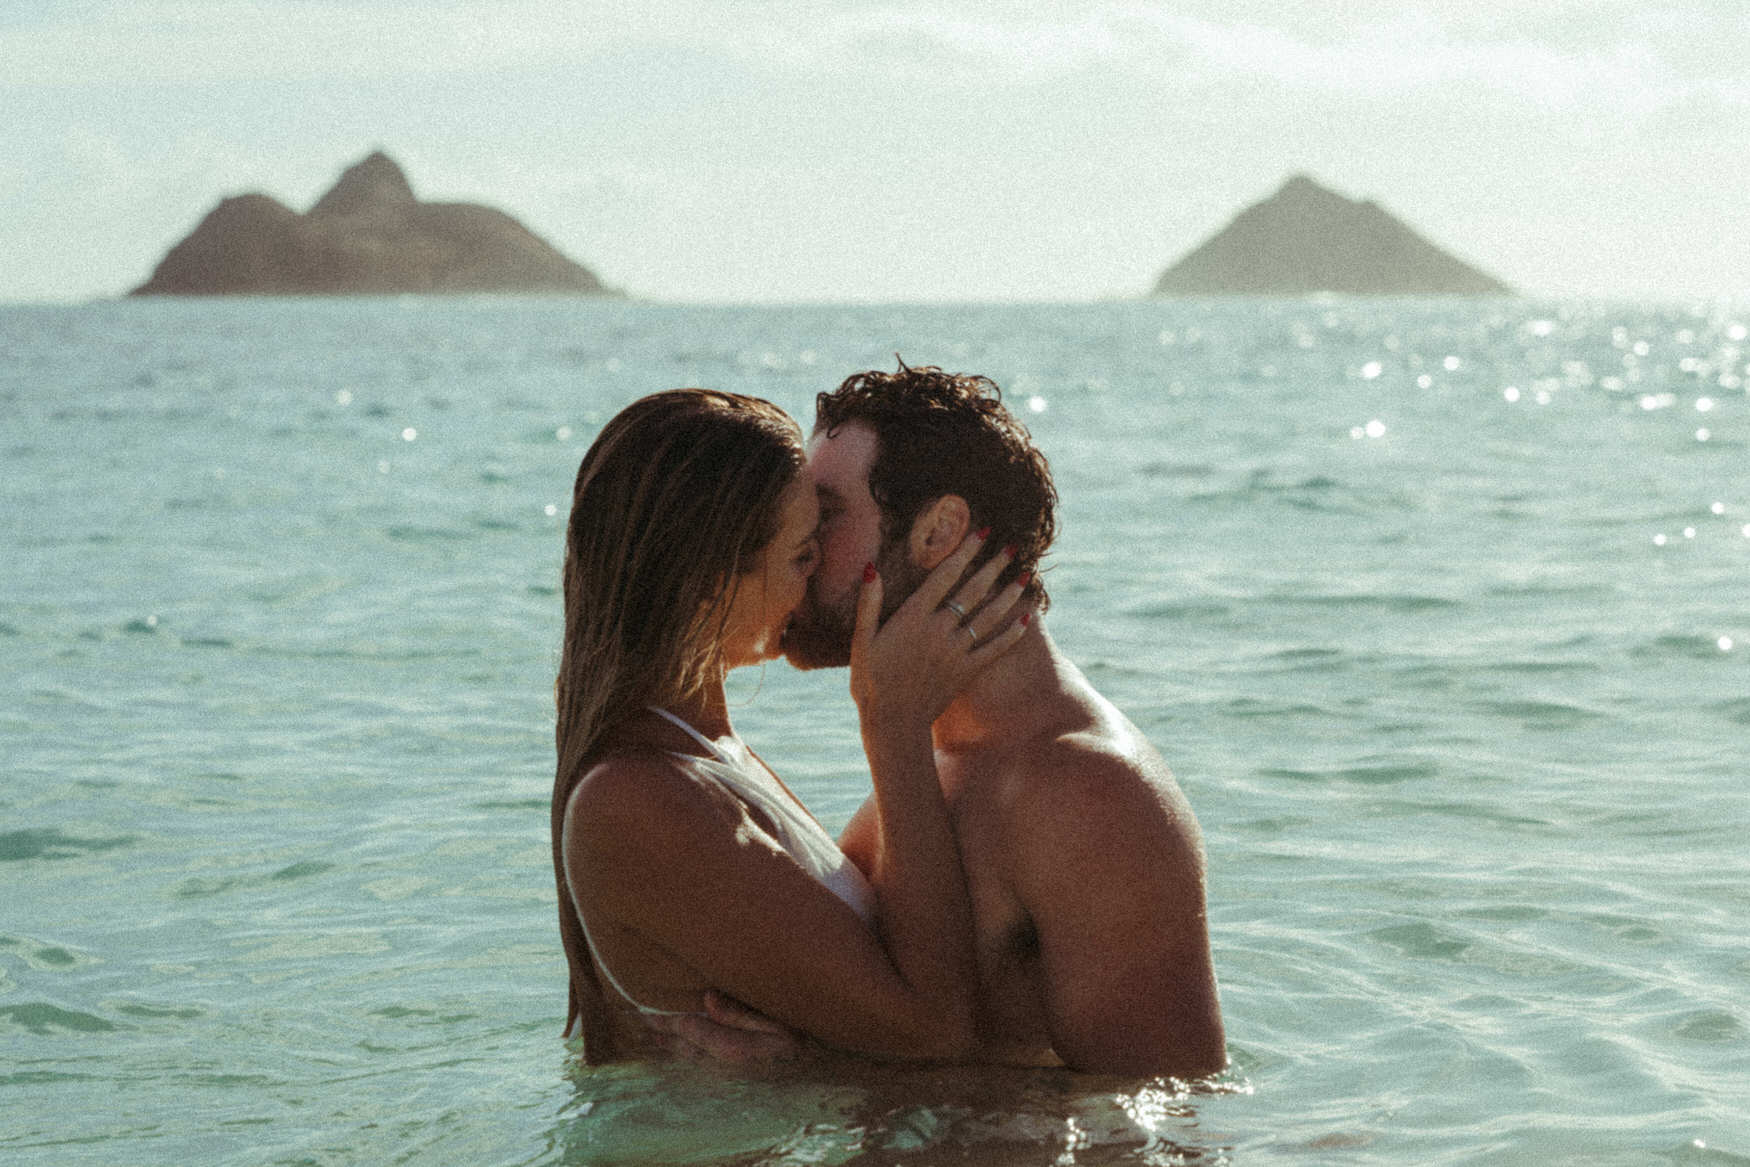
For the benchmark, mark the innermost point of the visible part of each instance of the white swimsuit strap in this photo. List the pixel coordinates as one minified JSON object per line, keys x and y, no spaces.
{"x":716,"y":750}
{"x":799,"y":832}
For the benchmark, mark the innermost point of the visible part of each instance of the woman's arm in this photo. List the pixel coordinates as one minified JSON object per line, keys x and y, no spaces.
{"x":902,"y":679}
{"x":686,"y":892}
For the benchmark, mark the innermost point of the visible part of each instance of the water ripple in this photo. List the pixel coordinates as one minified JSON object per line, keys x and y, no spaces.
{"x":1737,"y":711}
{"x":43,"y":1018}
{"x":1541,"y":714}
{"x":53,"y":843}
{"x":1371,"y":774}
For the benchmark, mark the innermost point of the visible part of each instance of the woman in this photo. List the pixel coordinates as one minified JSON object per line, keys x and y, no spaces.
{"x":683,"y":863}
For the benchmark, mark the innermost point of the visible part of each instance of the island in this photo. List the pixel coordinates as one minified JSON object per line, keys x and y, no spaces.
{"x":369,"y":235}
{"x":1305,"y":239}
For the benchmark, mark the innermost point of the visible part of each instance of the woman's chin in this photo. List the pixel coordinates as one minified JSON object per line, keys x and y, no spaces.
{"x":756,"y":654}
{"x":768,"y":647}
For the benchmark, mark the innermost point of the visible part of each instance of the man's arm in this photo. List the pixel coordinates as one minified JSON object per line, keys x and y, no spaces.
{"x":727,"y":1032}
{"x":859,"y":839}
{"x":1107,"y":861}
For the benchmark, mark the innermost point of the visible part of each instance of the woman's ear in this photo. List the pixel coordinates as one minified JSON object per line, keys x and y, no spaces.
{"x":938,"y":529}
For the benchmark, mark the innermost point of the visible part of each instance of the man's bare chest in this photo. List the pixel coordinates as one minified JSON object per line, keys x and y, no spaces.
{"x":1007,"y":943}
{"x":974,"y":794}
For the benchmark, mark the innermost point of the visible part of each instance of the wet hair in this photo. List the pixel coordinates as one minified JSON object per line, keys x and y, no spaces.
{"x":674,"y":502}
{"x":943,"y":433}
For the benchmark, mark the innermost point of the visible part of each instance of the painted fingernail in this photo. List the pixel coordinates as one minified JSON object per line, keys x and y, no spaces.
{"x":1025,"y":578}
{"x":984,"y":532}
{"x":1009,"y":551}
{"x":1026,"y":619}
{"x":868,"y":573}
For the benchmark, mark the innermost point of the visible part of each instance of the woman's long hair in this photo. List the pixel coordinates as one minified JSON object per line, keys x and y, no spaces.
{"x":674,"y":502}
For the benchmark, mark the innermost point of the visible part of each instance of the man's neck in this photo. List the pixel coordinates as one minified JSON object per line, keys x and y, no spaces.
{"x":1006,"y":700}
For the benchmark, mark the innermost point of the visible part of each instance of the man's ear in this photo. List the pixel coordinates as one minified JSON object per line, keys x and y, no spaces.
{"x":938,"y":529}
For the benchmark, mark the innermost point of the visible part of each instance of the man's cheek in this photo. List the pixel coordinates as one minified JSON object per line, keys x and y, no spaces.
{"x":838,"y":564}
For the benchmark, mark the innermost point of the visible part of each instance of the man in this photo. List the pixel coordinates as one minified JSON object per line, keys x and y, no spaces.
{"x":1083,"y":859}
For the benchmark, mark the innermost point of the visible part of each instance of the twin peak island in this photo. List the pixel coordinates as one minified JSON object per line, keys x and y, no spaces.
{"x":370,"y":235}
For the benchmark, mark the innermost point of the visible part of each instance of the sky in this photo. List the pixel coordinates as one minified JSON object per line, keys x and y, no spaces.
{"x":893,"y":151}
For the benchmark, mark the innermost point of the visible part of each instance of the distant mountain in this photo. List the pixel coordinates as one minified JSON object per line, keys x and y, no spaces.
{"x":369,"y":234}
{"x":1305,"y":238}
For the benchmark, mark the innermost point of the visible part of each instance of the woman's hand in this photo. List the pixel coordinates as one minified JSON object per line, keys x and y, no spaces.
{"x":913,"y":665}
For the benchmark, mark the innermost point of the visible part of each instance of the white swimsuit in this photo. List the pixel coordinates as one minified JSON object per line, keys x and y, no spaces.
{"x":795,"y":830}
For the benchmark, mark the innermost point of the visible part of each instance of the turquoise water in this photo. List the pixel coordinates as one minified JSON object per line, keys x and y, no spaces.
{"x":1441,"y":612}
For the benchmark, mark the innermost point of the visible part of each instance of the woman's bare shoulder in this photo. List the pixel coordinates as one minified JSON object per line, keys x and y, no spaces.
{"x":646,"y":790}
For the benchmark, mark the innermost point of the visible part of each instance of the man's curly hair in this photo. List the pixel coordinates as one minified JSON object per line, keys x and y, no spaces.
{"x":949,"y":433}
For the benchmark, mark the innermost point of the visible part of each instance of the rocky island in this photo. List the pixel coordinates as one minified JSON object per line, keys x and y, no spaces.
{"x":367,"y":235}
{"x":1305,"y":239}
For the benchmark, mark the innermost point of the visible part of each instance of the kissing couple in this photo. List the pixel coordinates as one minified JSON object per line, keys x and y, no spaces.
{"x":1025,"y":884}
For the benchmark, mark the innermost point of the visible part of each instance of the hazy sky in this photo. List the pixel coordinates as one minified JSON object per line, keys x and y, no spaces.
{"x":685,"y":149}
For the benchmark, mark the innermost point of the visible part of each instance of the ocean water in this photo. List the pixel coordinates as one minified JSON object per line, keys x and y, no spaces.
{"x":1440,"y":611}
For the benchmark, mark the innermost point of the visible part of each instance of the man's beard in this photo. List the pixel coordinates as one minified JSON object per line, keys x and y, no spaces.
{"x":819,"y":637}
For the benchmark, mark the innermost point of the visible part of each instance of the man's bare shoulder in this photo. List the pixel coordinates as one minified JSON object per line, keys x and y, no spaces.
{"x":1097,"y":772}
{"x":1104,"y":857}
